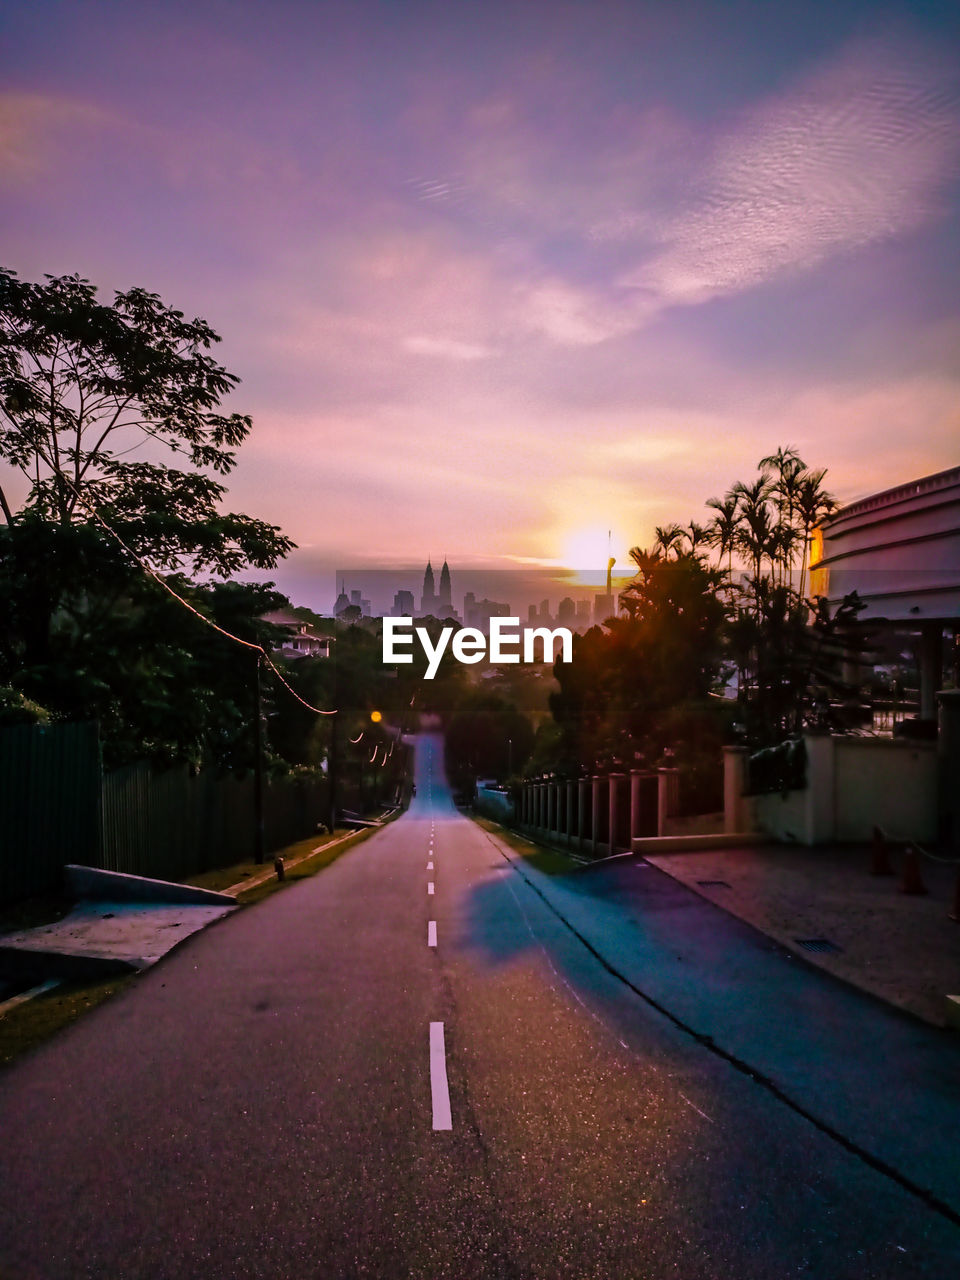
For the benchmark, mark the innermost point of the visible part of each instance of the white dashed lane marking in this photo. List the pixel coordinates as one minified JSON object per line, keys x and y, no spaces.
{"x":439,"y":1089}
{"x":431,"y":933}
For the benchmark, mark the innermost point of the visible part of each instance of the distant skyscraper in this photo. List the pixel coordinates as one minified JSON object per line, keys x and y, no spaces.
{"x":428,"y":600}
{"x":357,"y":600}
{"x":477,"y":613}
{"x":566,"y":612}
{"x":343,"y":602}
{"x":603,"y":607}
{"x":444,"y":596}
{"x":403,"y":603}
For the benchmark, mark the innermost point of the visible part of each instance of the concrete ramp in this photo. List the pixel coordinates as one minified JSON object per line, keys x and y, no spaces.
{"x":121,"y":923}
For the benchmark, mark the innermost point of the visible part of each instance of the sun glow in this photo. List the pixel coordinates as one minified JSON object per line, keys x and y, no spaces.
{"x":587,"y":551}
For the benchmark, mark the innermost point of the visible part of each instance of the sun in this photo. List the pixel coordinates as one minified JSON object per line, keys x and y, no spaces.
{"x":588,"y":549}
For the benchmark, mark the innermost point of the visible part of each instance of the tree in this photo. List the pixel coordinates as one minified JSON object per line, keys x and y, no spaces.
{"x":812,"y":504}
{"x":486,"y":737}
{"x":643,"y":681}
{"x":89,"y":633}
{"x":83,"y":383}
{"x":755,"y":536}
{"x":722,"y":532}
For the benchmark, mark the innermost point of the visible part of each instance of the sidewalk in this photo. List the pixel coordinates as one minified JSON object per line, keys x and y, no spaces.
{"x":882,"y":1082}
{"x":903,"y":948}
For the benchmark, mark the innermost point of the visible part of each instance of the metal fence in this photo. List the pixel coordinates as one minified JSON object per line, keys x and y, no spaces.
{"x":57,"y":806}
{"x":49,"y":805}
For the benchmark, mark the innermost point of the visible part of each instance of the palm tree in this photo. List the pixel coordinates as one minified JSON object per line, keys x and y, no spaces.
{"x":696,"y":535}
{"x":813,"y":503}
{"x":668,"y":538}
{"x":723,"y":527}
{"x":785,"y":459}
{"x":756,"y":529}
{"x":788,"y":467}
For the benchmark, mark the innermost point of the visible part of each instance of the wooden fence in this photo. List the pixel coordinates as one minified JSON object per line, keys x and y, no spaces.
{"x":57,"y":806}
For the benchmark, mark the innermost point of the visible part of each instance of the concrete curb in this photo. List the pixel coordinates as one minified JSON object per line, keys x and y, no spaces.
{"x":70,"y":966}
{"x":268,"y":873}
{"x":703,"y":841}
{"x":117,"y":886}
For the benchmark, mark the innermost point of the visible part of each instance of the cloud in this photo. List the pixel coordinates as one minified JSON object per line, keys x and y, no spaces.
{"x":38,"y":130}
{"x":446,"y":348}
{"x":857,"y":154}
{"x":572,"y":316}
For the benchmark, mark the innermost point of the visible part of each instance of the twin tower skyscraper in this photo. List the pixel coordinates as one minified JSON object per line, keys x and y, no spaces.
{"x":436,"y":601}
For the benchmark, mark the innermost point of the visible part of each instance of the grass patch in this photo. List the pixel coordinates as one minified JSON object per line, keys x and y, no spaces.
{"x":552,"y":862}
{"x":28,"y":1025}
{"x":310,"y":865}
{"x":227,"y":877}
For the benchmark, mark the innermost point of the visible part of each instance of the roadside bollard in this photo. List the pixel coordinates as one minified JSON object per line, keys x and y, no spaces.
{"x":912,"y":881}
{"x":279,"y":868}
{"x":880,"y":865}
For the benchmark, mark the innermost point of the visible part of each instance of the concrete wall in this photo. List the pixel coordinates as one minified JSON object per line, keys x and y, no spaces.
{"x":853,"y":785}
{"x":696,"y":825}
{"x":494,"y":804}
{"x":782,"y":816}
{"x":886,"y":783}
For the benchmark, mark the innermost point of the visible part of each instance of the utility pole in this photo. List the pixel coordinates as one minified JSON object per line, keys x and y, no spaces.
{"x":258,"y":842}
{"x":332,"y":769}
{"x":333,"y":763}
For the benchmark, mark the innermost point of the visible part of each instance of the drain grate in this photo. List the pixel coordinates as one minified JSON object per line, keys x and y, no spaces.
{"x":817,"y":944}
{"x":713,"y":884}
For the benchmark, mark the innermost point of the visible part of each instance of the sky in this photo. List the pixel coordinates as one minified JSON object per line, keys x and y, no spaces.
{"x":501,"y":279}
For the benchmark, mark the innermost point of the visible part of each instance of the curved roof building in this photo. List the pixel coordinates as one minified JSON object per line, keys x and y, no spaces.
{"x":900,"y":551}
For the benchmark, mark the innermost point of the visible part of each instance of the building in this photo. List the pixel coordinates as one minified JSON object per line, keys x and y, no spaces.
{"x":342,"y":603}
{"x":477,"y":613}
{"x":567,"y":612}
{"x":300,"y":641}
{"x":358,"y":602}
{"x":900,"y":551}
{"x":403,"y":604}
{"x":444,"y":597}
{"x":437,"y":602}
{"x":603,"y":607}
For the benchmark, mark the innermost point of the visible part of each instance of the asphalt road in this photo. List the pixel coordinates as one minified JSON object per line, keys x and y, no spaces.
{"x":310,"y":1088}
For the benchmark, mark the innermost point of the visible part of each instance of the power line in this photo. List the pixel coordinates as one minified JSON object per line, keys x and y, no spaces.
{"x":247,"y":644}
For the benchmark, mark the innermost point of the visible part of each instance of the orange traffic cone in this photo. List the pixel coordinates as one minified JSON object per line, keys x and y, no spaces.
{"x":881,"y":854}
{"x":912,"y":881}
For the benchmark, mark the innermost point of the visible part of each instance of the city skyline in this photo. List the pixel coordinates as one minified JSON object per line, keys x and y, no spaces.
{"x":514,"y":591}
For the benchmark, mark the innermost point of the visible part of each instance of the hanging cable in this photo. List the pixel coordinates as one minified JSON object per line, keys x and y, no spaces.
{"x":247,"y":644}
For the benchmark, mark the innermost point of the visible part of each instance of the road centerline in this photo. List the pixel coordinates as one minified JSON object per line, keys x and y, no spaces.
{"x":439,"y":1089}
